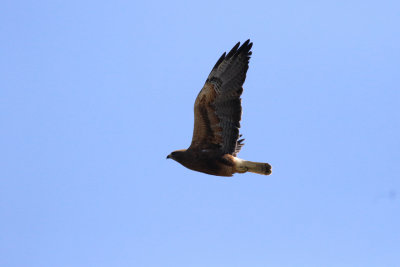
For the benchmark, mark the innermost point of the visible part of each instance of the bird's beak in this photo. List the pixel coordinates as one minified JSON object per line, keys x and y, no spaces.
{"x":168,"y":157}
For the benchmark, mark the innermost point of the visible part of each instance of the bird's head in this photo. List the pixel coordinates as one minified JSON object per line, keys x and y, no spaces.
{"x":176,"y":155}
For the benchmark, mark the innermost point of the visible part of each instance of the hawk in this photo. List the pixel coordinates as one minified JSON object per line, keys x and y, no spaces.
{"x":217,"y":114}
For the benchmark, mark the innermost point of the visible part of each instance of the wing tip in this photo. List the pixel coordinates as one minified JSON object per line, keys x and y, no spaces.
{"x":236,"y":51}
{"x":243,"y":49}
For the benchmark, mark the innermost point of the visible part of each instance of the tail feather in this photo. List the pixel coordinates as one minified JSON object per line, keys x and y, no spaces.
{"x":243,"y":166}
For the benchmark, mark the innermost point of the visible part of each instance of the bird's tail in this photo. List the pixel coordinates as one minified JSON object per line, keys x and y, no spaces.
{"x":243,"y":166}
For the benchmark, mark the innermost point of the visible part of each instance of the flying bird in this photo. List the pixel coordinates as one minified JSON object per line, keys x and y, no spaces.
{"x":217,"y":114}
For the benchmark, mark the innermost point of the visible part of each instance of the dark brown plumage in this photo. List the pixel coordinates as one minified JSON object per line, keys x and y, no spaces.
{"x":217,"y":115}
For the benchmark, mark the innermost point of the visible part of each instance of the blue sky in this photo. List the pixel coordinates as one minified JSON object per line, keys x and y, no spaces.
{"x":95,"y":94}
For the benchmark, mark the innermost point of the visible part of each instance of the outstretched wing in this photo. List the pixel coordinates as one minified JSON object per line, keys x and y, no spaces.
{"x":217,"y":109}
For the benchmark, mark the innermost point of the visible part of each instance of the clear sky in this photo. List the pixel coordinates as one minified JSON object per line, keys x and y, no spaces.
{"x":95,"y":94}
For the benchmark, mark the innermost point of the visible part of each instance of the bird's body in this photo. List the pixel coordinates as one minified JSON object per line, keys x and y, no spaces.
{"x":207,"y":161}
{"x":218,"y":112}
